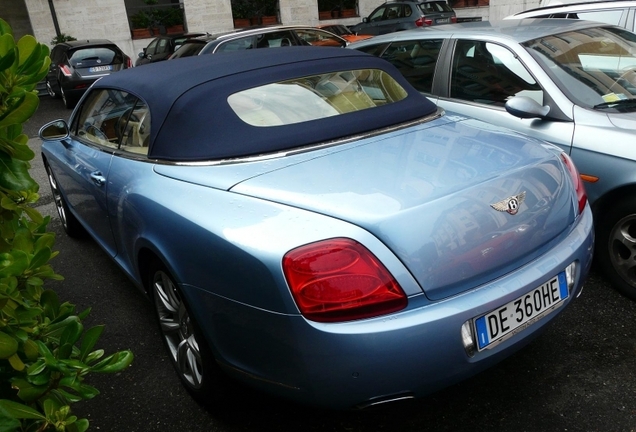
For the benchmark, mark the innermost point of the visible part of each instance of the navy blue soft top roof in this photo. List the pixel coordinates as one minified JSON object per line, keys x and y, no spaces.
{"x":192,"y":121}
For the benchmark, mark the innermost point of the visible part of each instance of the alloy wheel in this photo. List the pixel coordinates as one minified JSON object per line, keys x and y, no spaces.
{"x":177,"y":329}
{"x":50,"y":90}
{"x":622,"y":248}
{"x":57,"y":197}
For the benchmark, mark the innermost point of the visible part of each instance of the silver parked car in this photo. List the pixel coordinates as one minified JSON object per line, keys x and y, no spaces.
{"x":620,"y":13}
{"x":569,"y":82}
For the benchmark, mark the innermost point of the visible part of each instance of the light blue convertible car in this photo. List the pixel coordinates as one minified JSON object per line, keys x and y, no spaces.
{"x":305,"y":221}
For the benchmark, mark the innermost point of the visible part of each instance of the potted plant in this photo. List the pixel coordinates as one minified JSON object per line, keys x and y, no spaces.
{"x":140,"y":23}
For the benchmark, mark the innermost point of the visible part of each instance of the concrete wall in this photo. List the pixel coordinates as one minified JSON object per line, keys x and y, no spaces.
{"x":85,"y":19}
{"x":499,"y":9}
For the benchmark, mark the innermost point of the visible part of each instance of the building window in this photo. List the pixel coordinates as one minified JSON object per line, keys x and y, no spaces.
{"x":330,"y":9}
{"x":149,"y":18}
{"x":255,"y":12}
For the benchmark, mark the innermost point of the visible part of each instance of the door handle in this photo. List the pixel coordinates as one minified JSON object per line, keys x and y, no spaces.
{"x":98,"y":178}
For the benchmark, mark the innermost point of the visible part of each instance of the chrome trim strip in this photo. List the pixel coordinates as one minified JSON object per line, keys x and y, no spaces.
{"x":439,"y":113}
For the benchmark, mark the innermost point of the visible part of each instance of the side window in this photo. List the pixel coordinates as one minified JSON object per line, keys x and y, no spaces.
{"x":274,"y":39}
{"x":394,"y":12}
{"x":237,"y":44}
{"x":318,"y":38}
{"x":162,"y":46}
{"x":605,"y":16}
{"x":151,"y":48}
{"x":489,"y":73}
{"x":415,"y":60}
{"x":110,"y":118}
{"x":377,"y":14}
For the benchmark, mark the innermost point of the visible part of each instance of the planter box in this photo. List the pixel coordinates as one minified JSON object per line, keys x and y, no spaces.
{"x":141,"y":33}
{"x":269,"y":20}
{"x":324,"y":15}
{"x":175,"y":29}
{"x":347,"y":13}
{"x":241,"y":22}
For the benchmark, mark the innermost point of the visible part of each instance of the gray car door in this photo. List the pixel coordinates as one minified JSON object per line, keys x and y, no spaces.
{"x":483,"y":76}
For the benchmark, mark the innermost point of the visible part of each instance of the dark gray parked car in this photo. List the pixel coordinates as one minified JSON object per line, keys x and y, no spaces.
{"x":76,"y":65}
{"x":404,"y":15}
{"x":162,"y":47}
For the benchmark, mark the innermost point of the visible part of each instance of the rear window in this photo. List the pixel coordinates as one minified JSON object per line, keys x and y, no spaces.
{"x":435,"y":7}
{"x":315,"y":97}
{"x":88,"y":57}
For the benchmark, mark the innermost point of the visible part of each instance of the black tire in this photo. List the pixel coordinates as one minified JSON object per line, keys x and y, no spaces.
{"x":188,"y":351}
{"x":616,"y":247}
{"x":71,"y":225}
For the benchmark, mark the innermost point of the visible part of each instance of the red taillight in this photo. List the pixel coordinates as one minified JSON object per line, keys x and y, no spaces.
{"x":419,"y":22}
{"x":428,"y":22}
{"x":340,"y":280}
{"x":129,"y":63}
{"x":454,"y":19}
{"x":65,"y":70}
{"x":581,"y":196}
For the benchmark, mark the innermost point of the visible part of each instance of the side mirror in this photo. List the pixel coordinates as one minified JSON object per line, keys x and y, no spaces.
{"x":526,"y":108}
{"x":141,"y":55}
{"x":55,"y":130}
{"x":365,"y":19}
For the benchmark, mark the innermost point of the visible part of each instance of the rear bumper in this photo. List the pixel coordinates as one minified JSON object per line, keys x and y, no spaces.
{"x":407,"y":354}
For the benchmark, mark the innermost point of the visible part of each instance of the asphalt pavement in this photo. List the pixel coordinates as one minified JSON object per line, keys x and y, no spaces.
{"x":578,"y":376}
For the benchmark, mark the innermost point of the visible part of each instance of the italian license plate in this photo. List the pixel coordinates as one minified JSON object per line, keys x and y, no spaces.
{"x":100,"y":68}
{"x":511,"y":318}
{"x":443,"y":21}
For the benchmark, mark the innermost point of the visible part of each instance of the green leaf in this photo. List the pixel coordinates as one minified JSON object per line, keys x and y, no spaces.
{"x":30,"y":350}
{"x":80,"y":425}
{"x":36,"y":367}
{"x":89,"y":340}
{"x":16,"y":362}
{"x":51,"y":303}
{"x":8,"y":424}
{"x":22,"y":112}
{"x":114,"y":362}
{"x":14,"y":174}
{"x":40,"y":258}
{"x":20,"y":411}
{"x":8,"y":346}
{"x":27,"y":391}
{"x":71,"y":333}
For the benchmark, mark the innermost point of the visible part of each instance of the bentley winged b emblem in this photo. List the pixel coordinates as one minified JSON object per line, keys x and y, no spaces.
{"x":510,"y":204}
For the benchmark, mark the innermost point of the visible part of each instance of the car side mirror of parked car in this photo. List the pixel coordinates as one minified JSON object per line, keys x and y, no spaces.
{"x":55,"y":130}
{"x":142,"y":54}
{"x":525,"y":108}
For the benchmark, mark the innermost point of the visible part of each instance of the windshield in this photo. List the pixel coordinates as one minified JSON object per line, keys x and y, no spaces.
{"x":595,"y":68}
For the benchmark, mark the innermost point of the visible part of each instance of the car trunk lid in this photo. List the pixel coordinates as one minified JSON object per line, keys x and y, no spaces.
{"x":458,"y":204}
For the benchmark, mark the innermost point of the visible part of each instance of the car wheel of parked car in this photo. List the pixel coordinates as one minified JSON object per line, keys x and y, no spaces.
{"x":71,"y":225}
{"x":617,"y":247}
{"x":50,"y":90}
{"x":190,"y":355}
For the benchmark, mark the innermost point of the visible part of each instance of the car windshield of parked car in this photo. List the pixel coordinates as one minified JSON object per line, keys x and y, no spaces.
{"x":595,"y":67}
{"x":87,"y":57}
{"x":315,"y":97}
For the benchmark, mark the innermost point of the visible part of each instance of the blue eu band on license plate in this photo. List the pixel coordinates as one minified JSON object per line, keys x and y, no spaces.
{"x":518,"y":314}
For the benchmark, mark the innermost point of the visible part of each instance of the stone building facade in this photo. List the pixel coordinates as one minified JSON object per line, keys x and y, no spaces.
{"x":109,"y":19}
